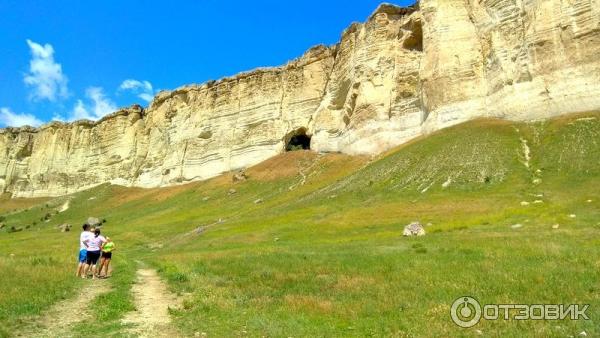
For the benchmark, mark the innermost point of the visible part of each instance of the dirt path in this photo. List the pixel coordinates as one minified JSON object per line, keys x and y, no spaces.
{"x":152,"y":301}
{"x":62,"y":316}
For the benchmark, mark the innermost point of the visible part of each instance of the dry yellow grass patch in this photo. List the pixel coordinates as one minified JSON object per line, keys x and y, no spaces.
{"x":262,"y":302}
{"x":290,"y":164}
{"x":354,"y":283}
{"x":281,"y":166}
{"x":121,"y":195}
{"x":438,"y":310}
{"x":9,"y":204}
{"x":565,"y":119}
{"x":308,"y":303}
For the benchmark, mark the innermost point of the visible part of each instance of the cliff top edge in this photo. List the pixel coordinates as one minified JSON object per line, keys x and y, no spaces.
{"x":313,"y":54}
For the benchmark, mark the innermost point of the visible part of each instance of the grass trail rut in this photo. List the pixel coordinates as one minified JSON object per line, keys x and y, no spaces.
{"x":62,"y":316}
{"x":152,"y":301}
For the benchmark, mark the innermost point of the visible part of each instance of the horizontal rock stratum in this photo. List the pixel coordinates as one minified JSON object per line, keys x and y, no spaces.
{"x":403,"y":73}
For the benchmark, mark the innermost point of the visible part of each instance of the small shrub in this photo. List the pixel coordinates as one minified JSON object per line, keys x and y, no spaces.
{"x":14,"y":229}
{"x":421,"y":250}
{"x":188,"y":304}
{"x":179,"y":277}
{"x":46,"y":217}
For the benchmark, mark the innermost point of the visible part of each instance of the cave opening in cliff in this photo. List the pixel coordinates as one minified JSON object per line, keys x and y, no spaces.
{"x":414,"y":41}
{"x":297,"y":140}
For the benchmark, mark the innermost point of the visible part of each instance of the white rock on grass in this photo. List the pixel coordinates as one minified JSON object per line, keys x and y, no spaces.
{"x":94,"y":221}
{"x":572,"y":216}
{"x":65,"y":206}
{"x":447,"y":183}
{"x":524,"y":203}
{"x":65,"y":227}
{"x":516,"y":226}
{"x":556,"y":226}
{"x":414,"y":229}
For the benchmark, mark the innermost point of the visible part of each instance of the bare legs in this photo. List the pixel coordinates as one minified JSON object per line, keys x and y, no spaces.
{"x":80,"y":269}
{"x":104,"y":264}
{"x":86,"y":271}
{"x":94,"y":271}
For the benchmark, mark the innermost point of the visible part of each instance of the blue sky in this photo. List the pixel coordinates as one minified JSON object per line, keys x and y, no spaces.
{"x":86,"y":58}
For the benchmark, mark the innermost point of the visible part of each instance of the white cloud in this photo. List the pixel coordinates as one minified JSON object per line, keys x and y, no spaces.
{"x":80,"y":112}
{"x":58,"y":117}
{"x":10,"y":119}
{"x":99,"y":106}
{"x":45,"y":76}
{"x":102,"y":105}
{"x":143,"y":89}
{"x":135,"y":84}
{"x":146,"y":97}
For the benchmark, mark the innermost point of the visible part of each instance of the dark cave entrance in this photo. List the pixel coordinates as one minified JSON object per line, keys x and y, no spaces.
{"x":414,"y":40}
{"x":297,"y":140}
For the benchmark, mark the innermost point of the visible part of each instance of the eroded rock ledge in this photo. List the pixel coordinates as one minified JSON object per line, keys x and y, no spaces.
{"x":402,"y":73}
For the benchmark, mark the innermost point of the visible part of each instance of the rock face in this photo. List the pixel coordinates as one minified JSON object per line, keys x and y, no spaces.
{"x":403,"y":73}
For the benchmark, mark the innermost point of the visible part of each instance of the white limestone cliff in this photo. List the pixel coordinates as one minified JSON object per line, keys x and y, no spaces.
{"x":403,"y":73}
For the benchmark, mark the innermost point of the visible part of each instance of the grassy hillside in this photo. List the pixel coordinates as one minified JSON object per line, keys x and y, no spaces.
{"x":311,"y":245}
{"x":11,"y":205}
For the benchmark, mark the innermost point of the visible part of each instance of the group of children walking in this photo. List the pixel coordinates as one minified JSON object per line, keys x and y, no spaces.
{"x":93,"y":247}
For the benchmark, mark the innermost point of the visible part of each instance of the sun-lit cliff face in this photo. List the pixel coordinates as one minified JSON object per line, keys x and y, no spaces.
{"x":402,"y":73}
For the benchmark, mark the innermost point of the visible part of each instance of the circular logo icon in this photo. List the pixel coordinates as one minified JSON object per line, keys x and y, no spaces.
{"x":465,"y":311}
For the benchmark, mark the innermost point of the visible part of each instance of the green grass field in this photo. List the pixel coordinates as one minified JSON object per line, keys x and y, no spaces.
{"x":311,"y":245}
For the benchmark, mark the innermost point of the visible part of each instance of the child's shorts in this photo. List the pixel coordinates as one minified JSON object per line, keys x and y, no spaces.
{"x":92,"y":257}
{"x":82,"y":255}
